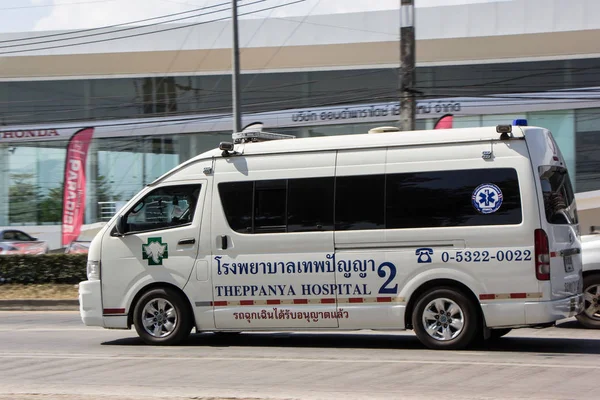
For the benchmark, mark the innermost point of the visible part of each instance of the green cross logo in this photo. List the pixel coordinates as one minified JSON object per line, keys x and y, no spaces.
{"x":155,"y":251}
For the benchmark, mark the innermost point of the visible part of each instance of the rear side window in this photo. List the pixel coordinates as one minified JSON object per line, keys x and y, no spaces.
{"x":558,"y":195}
{"x":453,"y":198}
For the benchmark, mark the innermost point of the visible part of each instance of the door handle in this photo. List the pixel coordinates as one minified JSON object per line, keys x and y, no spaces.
{"x":223,"y":242}
{"x":187,"y":241}
{"x":570,"y":252}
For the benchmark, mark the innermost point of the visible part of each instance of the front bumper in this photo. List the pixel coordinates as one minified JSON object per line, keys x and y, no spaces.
{"x":90,"y":303}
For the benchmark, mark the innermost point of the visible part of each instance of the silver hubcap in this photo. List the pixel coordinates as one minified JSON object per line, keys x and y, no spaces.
{"x":159,"y":318}
{"x":592,"y":302}
{"x":443,"y":319}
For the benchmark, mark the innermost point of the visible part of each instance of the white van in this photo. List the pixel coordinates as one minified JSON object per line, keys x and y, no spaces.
{"x":457,"y":234}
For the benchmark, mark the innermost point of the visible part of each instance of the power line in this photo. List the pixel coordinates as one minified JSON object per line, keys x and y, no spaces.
{"x":435,"y":93}
{"x":285,"y":41}
{"x":247,"y":44}
{"x":395,"y":35}
{"x":156,"y":31}
{"x":263,"y":90}
{"x":164,"y":78}
{"x":357,"y":98}
{"x":162,"y":81}
{"x":114,"y":25}
{"x":55,"y":4}
{"x":126,"y":29}
{"x":263,"y":101}
{"x":128,"y":145}
{"x":206,"y":53}
{"x":314,"y":95}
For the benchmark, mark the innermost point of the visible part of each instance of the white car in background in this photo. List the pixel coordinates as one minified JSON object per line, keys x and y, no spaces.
{"x":13,"y":241}
{"x":590,"y":317}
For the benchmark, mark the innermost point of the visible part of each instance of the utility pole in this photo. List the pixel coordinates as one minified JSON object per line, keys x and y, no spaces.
{"x":407,"y":65}
{"x":235,"y":78}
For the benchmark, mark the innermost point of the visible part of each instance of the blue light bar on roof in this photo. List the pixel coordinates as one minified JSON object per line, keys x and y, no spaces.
{"x":520,"y":122}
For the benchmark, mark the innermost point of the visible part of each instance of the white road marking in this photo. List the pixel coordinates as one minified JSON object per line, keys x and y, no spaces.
{"x":45,"y":329}
{"x":295,"y":360}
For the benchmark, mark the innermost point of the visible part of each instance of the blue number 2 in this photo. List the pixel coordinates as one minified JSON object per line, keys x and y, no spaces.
{"x":382,"y":274}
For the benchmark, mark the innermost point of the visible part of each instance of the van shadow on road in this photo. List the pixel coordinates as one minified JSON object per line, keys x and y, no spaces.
{"x":512,"y":343}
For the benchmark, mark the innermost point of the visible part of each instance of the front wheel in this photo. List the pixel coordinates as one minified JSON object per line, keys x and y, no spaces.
{"x":590,"y":317}
{"x":445,"y":319}
{"x":162,"y":318}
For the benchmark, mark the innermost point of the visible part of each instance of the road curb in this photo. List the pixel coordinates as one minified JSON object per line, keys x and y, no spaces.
{"x":39,"y":305}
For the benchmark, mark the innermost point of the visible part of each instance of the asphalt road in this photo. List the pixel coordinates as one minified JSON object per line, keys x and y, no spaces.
{"x":51,"y":355}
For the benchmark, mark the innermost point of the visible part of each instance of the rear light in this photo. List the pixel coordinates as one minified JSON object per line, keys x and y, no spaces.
{"x":542,"y":256}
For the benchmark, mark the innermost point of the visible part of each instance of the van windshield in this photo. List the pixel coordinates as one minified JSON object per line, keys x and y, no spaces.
{"x":559,"y":199}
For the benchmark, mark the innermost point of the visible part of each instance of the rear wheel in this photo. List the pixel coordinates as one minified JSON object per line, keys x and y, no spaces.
{"x":161,"y":317}
{"x":590,"y":317}
{"x":445,"y":319}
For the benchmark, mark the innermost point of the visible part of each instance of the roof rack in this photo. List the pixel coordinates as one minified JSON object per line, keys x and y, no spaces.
{"x":254,"y":133}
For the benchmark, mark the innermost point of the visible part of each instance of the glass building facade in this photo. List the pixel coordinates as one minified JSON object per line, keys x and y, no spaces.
{"x":118,"y":167}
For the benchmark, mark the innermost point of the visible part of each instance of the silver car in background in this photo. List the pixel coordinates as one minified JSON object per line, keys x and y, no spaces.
{"x":590,"y":317}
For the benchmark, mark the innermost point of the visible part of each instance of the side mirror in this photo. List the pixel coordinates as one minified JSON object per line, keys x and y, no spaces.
{"x":120,"y":225}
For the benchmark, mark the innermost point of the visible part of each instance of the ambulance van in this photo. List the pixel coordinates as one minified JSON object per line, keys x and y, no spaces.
{"x":457,"y":234}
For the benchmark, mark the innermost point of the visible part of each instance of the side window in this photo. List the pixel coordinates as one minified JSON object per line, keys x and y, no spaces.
{"x":270,"y":206}
{"x":394,"y":201}
{"x":446,"y":198}
{"x":165,"y":207}
{"x":310,"y":204}
{"x":22,"y":236}
{"x":359,"y":202}
{"x":294,"y":205}
{"x":236,"y":198}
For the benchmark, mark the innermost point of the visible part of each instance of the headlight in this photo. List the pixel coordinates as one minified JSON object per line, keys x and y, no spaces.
{"x":93,"y":270}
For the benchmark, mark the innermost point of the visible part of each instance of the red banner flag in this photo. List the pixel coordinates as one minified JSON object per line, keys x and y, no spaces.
{"x":445,"y":122}
{"x":74,"y":184}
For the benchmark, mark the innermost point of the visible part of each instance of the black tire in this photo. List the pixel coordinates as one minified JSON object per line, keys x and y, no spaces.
{"x":175,"y":324}
{"x":459,"y":338}
{"x":496,"y":334}
{"x":591,"y":284}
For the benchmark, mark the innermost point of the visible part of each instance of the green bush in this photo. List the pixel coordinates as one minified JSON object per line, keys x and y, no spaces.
{"x":49,"y":268}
